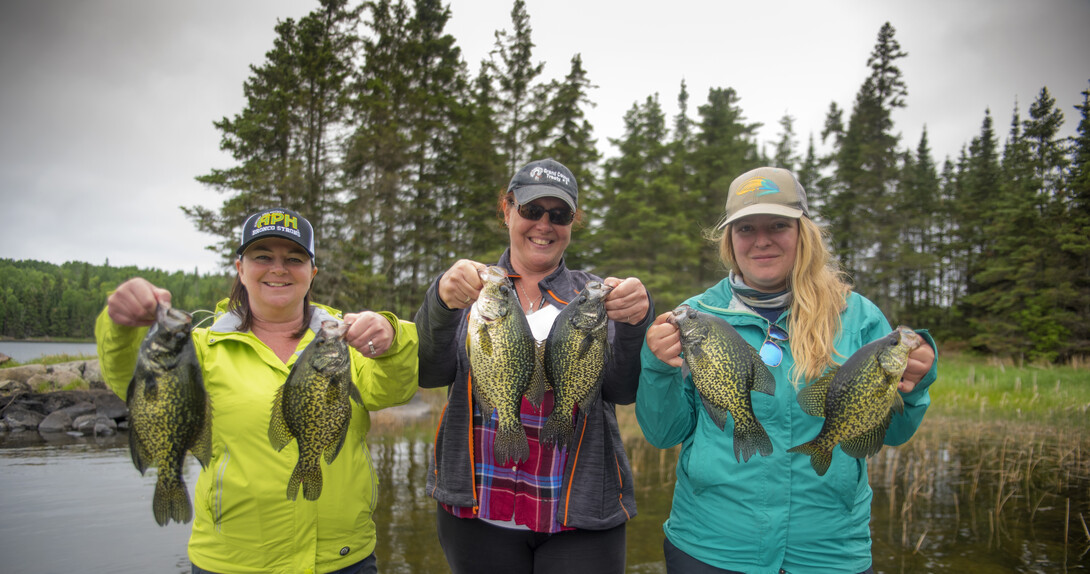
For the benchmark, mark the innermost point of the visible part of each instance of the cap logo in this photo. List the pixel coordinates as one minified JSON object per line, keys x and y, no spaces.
{"x":277,"y":221}
{"x":540,"y":173}
{"x":762,"y":186}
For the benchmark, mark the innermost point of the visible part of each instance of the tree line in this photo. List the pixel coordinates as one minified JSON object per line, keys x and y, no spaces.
{"x":39,"y":299}
{"x":366,"y":119}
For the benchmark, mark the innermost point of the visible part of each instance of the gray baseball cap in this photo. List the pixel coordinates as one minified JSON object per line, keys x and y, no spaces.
{"x":545,"y":178}
{"x":765,"y":190}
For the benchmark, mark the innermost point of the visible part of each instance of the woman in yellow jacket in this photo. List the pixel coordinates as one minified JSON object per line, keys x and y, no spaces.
{"x":243,"y":520}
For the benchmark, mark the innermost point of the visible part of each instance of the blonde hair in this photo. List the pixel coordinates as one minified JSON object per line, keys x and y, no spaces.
{"x":819,"y":294}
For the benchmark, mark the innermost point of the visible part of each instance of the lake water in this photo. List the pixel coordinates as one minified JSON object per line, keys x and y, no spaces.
{"x":24,"y":351}
{"x":950,"y":501}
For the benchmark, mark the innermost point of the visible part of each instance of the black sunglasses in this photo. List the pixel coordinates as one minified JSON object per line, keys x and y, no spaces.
{"x":557,"y":215}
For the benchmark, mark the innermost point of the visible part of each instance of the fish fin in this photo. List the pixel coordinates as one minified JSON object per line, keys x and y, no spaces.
{"x":535,"y":393}
{"x":867,"y":443}
{"x":485,"y":339}
{"x":333,"y":450}
{"x":749,"y":439}
{"x":279,"y":433}
{"x":763,"y":379}
{"x":898,"y":403}
{"x":136,"y":451}
{"x":171,"y":499}
{"x":511,"y":444}
{"x":719,"y":416}
{"x":354,"y":391}
{"x":151,"y":389}
{"x":558,"y":430}
{"x":820,"y":458}
{"x":201,"y":446}
{"x":585,"y":345}
{"x":484,"y":404}
{"x":812,"y":397}
{"x":312,"y":483}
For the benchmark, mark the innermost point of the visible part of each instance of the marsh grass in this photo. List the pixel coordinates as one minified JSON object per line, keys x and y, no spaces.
{"x":49,"y":360}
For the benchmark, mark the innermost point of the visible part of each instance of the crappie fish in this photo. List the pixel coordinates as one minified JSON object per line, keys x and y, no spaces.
{"x":576,"y":353}
{"x":169,"y":411}
{"x":312,"y":407}
{"x":503,"y":357}
{"x":725,"y":368}
{"x":857,"y":399}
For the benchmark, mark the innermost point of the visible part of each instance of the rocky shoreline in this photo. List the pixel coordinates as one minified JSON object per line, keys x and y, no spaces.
{"x":33,"y":398}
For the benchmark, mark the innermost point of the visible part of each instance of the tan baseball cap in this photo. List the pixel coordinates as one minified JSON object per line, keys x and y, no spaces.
{"x":765,"y":190}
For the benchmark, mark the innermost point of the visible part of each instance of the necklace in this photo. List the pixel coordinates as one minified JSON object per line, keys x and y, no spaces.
{"x":524,"y":292}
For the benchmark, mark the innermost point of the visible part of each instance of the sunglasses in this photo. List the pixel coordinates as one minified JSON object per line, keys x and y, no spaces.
{"x":557,"y":215}
{"x":771,"y":353}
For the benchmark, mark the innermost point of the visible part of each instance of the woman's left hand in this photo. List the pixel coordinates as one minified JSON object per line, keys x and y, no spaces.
{"x":920,"y":360}
{"x":627,"y":302}
{"x":369,"y":333}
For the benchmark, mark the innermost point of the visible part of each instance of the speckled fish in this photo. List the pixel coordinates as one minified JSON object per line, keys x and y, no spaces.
{"x":725,"y":369}
{"x":857,"y":399}
{"x":312,"y":407}
{"x":169,"y":411}
{"x":576,"y":352}
{"x":503,"y":357}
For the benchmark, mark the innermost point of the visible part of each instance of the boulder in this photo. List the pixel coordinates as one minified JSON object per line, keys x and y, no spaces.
{"x":56,"y":421}
{"x":105,"y":426}
{"x":24,"y":372}
{"x":79,"y":409}
{"x":10,"y":387}
{"x":19,"y":418}
{"x":110,"y":405}
{"x":85,"y":424}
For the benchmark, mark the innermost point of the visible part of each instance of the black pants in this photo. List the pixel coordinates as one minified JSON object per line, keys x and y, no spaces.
{"x":366,"y":566}
{"x":678,"y":562}
{"x":473,"y":546}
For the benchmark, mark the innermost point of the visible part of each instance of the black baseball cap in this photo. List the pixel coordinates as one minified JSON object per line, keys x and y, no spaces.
{"x":277,"y":222}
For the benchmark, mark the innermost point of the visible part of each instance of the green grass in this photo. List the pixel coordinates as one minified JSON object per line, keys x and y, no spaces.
{"x":987,"y":390}
{"x":49,"y":360}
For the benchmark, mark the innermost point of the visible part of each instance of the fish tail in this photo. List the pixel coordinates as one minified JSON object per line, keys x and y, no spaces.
{"x":749,"y":439}
{"x":820,"y":458}
{"x":171,"y":500}
{"x":558,"y":430}
{"x":312,"y":482}
{"x":511,"y":444}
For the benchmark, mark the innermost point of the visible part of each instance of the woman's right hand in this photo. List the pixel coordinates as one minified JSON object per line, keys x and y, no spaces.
{"x":461,"y":284}
{"x":664,"y":340}
{"x":133,"y":303}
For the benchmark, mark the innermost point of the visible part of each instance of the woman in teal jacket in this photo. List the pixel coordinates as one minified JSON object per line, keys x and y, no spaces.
{"x":772,"y":513}
{"x":243,"y":520}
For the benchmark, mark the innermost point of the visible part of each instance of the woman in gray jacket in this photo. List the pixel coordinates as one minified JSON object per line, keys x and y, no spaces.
{"x":564,"y":508}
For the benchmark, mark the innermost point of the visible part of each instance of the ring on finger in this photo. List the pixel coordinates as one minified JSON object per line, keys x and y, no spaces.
{"x":371,"y":347}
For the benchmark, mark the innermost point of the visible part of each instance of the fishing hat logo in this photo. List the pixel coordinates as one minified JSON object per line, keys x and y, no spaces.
{"x":545,"y":178}
{"x":767,"y":191}
{"x":277,"y":222}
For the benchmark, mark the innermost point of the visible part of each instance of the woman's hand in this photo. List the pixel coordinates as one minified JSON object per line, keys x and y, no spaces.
{"x":627,"y":302}
{"x":461,"y":284}
{"x":664,"y":340}
{"x":369,"y":333}
{"x":133,"y":303}
{"x":920,"y":360}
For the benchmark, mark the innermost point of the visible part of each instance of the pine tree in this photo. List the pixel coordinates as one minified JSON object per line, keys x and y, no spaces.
{"x":512,"y":68}
{"x":285,"y":139}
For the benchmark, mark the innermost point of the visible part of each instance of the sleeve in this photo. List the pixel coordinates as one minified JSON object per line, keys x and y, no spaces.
{"x":439,"y":340}
{"x":391,"y":379}
{"x":622,"y":376}
{"x":665,"y":405}
{"x":117,"y":348}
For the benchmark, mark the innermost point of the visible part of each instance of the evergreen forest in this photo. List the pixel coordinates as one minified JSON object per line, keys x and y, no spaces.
{"x":365,"y":118}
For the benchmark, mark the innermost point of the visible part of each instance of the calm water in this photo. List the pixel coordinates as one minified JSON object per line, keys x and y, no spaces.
{"x":24,"y":351}
{"x":79,"y":505}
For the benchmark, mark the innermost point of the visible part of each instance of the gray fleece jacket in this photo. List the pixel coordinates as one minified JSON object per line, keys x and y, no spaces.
{"x":597,"y":482}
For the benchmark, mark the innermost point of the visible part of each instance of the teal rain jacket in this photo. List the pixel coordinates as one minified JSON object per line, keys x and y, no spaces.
{"x":773,"y":513}
{"x":243,"y":520}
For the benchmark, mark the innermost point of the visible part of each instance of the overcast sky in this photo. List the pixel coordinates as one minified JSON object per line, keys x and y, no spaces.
{"x":106,"y":107}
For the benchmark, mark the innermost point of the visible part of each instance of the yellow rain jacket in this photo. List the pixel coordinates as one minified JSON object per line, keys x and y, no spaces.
{"x":244,"y":521}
